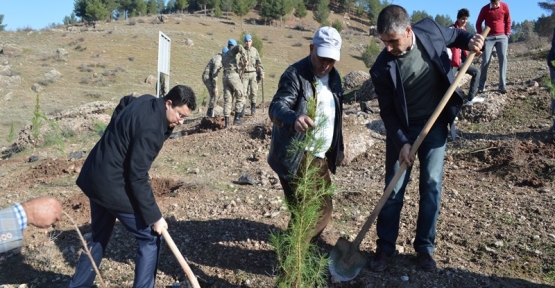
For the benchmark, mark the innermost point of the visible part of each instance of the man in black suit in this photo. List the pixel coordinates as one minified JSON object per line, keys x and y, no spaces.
{"x":411,"y":75}
{"x":115,"y":178}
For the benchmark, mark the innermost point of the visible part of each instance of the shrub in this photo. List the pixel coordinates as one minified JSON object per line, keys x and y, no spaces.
{"x":370,"y":53}
{"x":337,"y":25}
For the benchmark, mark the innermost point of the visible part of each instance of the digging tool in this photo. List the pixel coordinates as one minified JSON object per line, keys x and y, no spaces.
{"x":346,"y":260}
{"x":262,"y":94}
{"x":180,"y":259}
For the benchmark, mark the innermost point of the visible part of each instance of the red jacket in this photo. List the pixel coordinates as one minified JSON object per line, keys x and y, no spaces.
{"x":498,"y":19}
{"x":456,"y":52}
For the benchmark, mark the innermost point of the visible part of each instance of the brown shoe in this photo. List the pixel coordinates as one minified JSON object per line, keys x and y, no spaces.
{"x":426,"y":261}
{"x":380,"y":260}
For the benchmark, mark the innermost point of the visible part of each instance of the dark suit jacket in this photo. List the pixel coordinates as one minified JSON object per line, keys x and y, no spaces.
{"x":115,"y":174}
{"x":435,"y":39}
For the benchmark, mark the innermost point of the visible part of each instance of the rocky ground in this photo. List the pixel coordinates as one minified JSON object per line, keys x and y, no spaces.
{"x":495,"y":229}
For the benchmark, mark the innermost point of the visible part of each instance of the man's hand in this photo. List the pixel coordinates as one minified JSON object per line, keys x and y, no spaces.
{"x":404,"y":155}
{"x":476,"y":44}
{"x":302,"y":123}
{"x":159,"y":225}
{"x":216,"y":90}
{"x":42,"y":212}
{"x":262,"y":76}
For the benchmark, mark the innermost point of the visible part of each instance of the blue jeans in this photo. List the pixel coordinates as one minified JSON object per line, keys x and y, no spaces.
{"x":501,"y":43}
{"x":148,"y":247}
{"x":552,"y":74}
{"x":430,"y":154}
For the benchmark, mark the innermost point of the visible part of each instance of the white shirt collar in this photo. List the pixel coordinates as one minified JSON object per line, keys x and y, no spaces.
{"x":411,"y":46}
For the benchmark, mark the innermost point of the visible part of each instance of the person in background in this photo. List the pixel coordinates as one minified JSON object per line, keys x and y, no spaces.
{"x":551,"y":65}
{"x":209,"y":77}
{"x":288,"y":113}
{"x":115,"y":179}
{"x":41,"y":212}
{"x":459,"y":56}
{"x":411,"y":76}
{"x":496,"y":15}
{"x":249,"y":76}
{"x":232,"y":81}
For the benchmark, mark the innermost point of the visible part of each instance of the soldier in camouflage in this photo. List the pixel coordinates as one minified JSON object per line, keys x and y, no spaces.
{"x":232,"y":80}
{"x":251,"y":70}
{"x":209,"y":78}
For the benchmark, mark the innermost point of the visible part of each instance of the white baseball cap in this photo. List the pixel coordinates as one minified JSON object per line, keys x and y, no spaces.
{"x":327,"y":42}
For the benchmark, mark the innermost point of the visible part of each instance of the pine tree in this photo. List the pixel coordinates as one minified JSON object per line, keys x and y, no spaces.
{"x":374,"y":9}
{"x":2,"y":26}
{"x":418,"y":15}
{"x":240,"y":8}
{"x":286,"y":8}
{"x":68,"y":20}
{"x":125,"y":8}
{"x":322,"y":12}
{"x":161,"y":6}
{"x":152,"y":7}
{"x":444,"y":20}
{"x":139,"y":8}
{"x":300,"y":261}
{"x":300,"y":10}
{"x":181,"y":5}
{"x":95,"y":10}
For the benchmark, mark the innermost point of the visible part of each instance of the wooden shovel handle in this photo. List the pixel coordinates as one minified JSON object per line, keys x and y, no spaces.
{"x":415,"y":146}
{"x":180,"y":259}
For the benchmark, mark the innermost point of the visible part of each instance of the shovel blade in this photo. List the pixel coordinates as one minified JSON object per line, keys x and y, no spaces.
{"x":345,"y":260}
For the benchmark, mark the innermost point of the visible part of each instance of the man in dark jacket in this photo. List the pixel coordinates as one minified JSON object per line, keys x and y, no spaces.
{"x":115,"y":178}
{"x":311,"y":77}
{"x":410,"y":76}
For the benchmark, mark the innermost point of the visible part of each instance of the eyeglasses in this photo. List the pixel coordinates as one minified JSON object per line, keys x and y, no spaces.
{"x":181,"y":116}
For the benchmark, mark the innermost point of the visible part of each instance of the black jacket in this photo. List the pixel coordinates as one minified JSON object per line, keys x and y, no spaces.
{"x":435,"y":39}
{"x":115,"y":174}
{"x":294,"y":89}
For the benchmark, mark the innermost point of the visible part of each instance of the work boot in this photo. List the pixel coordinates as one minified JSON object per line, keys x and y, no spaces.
{"x":210,"y":112}
{"x":226,"y":119}
{"x":426,"y":261}
{"x":380,"y":260}
{"x":237,"y":119}
{"x":253,"y":109}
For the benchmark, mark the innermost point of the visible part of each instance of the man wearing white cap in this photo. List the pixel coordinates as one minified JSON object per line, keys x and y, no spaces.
{"x":313,"y":77}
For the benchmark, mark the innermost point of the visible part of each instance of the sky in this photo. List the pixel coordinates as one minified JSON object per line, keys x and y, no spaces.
{"x":520,"y":9}
{"x":44,"y":12}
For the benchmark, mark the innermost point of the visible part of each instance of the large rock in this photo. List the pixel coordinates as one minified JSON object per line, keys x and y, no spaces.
{"x":11,"y":50}
{"x":354,"y":79}
{"x":366,"y":92}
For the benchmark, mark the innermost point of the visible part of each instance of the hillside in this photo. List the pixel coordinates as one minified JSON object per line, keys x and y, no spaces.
{"x":496,"y":227}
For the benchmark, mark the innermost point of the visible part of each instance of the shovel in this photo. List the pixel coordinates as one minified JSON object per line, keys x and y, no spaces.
{"x":180,"y":259}
{"x":346,"y":260}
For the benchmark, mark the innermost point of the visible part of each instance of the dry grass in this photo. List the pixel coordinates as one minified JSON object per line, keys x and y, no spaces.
{"x":124,"y":57}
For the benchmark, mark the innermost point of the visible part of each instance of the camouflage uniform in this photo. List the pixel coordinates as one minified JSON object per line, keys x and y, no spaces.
{"x":209,"y":77}
{"x":249,"y":77}
{"x":231,"y":80}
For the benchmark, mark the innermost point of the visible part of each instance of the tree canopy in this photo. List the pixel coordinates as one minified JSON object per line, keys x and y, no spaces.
{"x":322,"y":12}
{"x":2,"y":26}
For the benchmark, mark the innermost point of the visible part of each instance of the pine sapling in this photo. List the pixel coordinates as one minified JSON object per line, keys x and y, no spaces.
{"x":301,"y":263}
